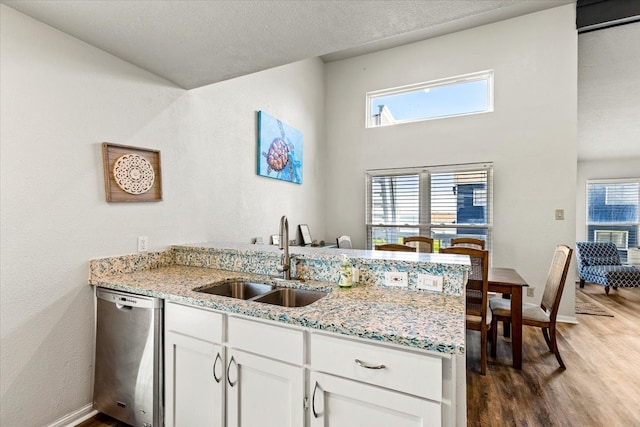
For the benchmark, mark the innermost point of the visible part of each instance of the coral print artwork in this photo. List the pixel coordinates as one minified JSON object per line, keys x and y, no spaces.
{"x":279,"y":149}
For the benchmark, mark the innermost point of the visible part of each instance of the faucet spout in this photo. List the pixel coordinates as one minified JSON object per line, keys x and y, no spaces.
{"x":285,"y":268}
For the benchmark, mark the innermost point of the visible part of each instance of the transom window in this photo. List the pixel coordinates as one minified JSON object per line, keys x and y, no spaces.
{"x":453,"y":96}
{"x":441,"y":202}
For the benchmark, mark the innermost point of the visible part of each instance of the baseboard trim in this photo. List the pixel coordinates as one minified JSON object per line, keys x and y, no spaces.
{"x":567,"y":319}
{"x":76,"y":417}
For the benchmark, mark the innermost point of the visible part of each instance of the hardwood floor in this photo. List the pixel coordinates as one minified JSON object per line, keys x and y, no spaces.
{"x":102,"y":420}
{"x":600,"y":387}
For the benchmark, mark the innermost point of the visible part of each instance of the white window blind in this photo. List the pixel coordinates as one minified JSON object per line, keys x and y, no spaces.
{"x":440,"y":202}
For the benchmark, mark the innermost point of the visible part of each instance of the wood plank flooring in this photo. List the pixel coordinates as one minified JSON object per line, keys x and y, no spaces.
{"x":600,"y":387}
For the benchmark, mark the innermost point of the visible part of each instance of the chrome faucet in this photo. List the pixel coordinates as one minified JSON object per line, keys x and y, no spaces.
{"x":285,"y":268}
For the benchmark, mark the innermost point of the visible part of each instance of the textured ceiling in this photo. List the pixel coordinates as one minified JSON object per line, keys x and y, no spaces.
{"x":195,"y":43}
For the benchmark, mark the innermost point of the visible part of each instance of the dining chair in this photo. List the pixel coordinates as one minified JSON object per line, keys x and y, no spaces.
{"x":395,"y":247}
{"x":478,"y":315}
{"x":344,"y":242}
{"x":468,"y":242}
{"x":543,"y":315}
{"x":421,"y":243}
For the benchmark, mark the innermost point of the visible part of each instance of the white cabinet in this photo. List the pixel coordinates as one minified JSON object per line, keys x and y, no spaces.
{"x":230,"y":370}
{"x":355,"y":383}
{"x":194,"y":367}
{"x":265,"y":376}
{"x":338,"y":402}
{"x":262,"y":392}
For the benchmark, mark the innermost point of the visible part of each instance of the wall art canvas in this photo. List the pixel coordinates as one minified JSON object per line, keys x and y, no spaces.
{"x":279,"y":149}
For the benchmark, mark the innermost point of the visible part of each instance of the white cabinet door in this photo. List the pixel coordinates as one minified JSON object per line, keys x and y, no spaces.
{"x":262,"y":392}
{"x":338,"y":402}
{"x":194,"y":382}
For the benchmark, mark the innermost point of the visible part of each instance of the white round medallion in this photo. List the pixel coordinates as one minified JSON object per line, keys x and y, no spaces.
{"x":134,"y":174}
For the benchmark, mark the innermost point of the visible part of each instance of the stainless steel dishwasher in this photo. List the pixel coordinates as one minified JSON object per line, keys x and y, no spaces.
{"x":128,"y":382}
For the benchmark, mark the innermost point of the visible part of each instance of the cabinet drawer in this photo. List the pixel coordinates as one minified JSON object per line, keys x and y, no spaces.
{"x":267,"y":339}
{"x":414,"y":373}
{"x":195,"y":322}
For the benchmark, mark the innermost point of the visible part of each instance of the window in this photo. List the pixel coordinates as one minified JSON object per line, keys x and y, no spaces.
{"x":454,"y":96}
{"x":612,"y":212}
{"x":440,"y":202}
{"x":620,"y":238}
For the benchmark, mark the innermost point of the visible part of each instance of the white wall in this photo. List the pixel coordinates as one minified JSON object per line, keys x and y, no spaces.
{"x":531,"y":136}
{"x":608,"y":110}
{"x":60,"y":100}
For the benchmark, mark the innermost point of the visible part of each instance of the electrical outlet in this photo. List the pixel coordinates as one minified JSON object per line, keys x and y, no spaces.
{"x":143,"y":243}
{"x":396,"y":278}
{"x":429,"y":282}
{"x":531,"y":291}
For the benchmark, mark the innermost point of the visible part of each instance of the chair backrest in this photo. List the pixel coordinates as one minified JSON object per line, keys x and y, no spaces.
{"x":344,"y":242}
{"x":421,"y":243}
{"x":555,"y":280}
{"x":478,"y":278}
{"x":395,"y":247}
{"x":597,"y":253}
{"x":468,"y":242}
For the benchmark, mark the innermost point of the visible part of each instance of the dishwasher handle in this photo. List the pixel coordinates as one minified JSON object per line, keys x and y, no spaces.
{"x":124,"y":300}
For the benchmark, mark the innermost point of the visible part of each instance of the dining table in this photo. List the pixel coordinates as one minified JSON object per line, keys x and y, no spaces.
{"x":507,"y":281}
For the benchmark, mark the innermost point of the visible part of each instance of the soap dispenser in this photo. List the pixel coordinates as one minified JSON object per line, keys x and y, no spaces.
{"x":345,"y":273}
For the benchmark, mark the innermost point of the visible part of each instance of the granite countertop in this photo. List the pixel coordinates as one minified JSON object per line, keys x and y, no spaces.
{"x":412,"y":318}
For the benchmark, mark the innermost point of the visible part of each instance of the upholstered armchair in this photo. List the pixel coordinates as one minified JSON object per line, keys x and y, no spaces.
{"x":599,"y":262}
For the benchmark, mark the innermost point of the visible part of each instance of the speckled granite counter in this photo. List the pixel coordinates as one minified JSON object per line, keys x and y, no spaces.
{"x":408,"y":317}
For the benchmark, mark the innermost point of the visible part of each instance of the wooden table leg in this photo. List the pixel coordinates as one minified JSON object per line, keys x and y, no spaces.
{"x":516,"y":326}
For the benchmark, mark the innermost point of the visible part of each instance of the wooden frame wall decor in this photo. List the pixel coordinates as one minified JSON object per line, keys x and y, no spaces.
{"x":131,"y":174}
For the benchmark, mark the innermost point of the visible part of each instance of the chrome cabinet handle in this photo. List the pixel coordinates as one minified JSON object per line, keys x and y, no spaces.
{"x":218,"y":358}
{"x":229,"y":367}
{"x":366,"y":365}
{"x":313,"y":401}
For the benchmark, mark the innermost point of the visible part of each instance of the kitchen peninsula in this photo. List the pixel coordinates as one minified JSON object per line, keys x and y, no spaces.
{"x":392,"y":350}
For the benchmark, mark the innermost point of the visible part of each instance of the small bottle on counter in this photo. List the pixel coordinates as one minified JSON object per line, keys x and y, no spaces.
{"x":345,"y":274}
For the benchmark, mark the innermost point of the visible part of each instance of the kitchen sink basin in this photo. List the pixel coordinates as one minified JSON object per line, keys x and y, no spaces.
{"x":289,"y":297}
{"x":240,"y":289}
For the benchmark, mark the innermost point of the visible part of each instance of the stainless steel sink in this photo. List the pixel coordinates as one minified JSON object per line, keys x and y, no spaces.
{"x":289,"y":297}
{"x":240,"y":289}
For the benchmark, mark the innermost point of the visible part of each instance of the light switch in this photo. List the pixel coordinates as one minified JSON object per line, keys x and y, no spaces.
{"x":429,"y":282}
{"x":559,"y":214}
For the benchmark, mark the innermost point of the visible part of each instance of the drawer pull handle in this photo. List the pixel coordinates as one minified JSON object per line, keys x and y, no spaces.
{"x":313,"y":401}
{"x":229,"y":367}
{"x":366,"y":365}
{"x":215,"y":377}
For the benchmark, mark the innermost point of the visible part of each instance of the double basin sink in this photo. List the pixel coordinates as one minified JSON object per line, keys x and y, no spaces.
{"x":263,"y":292}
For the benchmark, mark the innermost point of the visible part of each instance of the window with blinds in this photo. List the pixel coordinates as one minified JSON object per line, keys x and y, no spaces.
{"x":612,"y":213}
{"x":441,"y":202}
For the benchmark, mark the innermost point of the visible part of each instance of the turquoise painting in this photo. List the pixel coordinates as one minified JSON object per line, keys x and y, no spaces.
{"x":279,"y":149}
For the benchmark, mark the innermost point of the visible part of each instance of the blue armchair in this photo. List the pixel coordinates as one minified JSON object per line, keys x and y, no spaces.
{"x":599,"y":262}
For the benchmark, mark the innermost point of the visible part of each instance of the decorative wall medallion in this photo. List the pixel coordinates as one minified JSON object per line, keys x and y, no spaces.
{"x":133,"y":173}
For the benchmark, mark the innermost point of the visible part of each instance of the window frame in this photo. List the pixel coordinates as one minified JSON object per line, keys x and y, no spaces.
{"x":591,"y":237}
{"x":487,"y":75}
{"x":424,"y":226}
